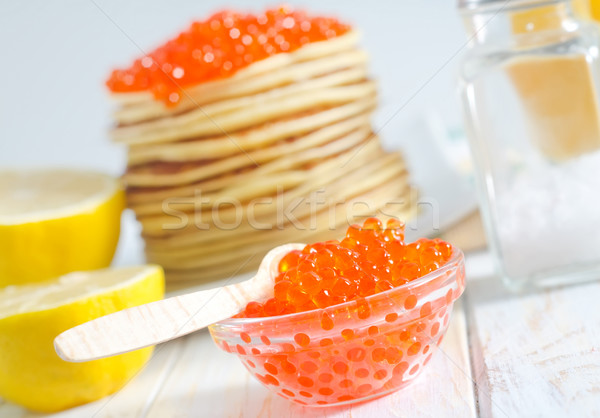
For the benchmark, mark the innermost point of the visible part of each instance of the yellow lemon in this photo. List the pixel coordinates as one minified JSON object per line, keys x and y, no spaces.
{"x":53,"y":222}
{"x":31,"y":316}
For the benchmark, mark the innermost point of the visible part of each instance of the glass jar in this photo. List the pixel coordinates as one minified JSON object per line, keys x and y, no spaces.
{"x":530,"y":85}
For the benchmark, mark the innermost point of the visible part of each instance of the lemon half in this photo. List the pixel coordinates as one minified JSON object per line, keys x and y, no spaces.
{"x":53,"y":222}
{"x":31,"y":316}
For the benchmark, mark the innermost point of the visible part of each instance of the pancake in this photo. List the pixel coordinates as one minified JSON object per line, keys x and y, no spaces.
{"x":322,"y":172}
{"x":257,"y":111}
{"x":168,"y":231}
{"x":363,"y":164}
{"x":184,"y":172}
{"x":288,"y":170}
{"x":371,"y":200}
{"x":360,"y":204}
{"x":249,"y":139}
{"x":340,"y":78}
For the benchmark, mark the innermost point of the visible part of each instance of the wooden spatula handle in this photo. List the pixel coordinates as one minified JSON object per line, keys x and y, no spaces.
{"x":164,"y":320}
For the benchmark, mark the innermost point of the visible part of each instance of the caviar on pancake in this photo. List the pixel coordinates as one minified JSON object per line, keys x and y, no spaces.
{"x":220,"y":46}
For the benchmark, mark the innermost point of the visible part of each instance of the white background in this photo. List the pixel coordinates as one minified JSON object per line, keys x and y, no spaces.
{"x":56,"y":55}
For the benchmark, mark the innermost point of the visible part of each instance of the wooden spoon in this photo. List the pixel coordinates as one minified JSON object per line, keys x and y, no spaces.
{"x":167,"y":319}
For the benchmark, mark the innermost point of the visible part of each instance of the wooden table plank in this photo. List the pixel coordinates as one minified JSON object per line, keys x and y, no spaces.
{"x":535,"y":354}
{"x":208,"y":382}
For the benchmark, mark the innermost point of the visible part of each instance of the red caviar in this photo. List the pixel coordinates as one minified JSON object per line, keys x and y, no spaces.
{"x":371,"y":258}
{"x":220,"y":46}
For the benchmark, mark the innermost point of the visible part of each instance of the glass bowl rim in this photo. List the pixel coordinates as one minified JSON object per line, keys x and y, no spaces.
{"x":456,"y":257}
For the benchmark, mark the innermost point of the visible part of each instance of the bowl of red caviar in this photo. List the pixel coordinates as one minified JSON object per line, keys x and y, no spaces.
{"x":349,"y":320}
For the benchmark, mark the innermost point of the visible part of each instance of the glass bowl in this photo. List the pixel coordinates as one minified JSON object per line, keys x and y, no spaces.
{"x":351,"y":352}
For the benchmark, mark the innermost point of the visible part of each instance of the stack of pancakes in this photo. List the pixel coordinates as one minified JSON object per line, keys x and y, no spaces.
{"x":282,"y":151}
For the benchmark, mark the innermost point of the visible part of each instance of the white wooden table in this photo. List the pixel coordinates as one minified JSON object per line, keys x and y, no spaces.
{"x":503,"y":356}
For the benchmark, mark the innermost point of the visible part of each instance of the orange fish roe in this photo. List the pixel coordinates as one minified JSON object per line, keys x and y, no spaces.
{"x":370,"y":259}
{"x":220,"y":46}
